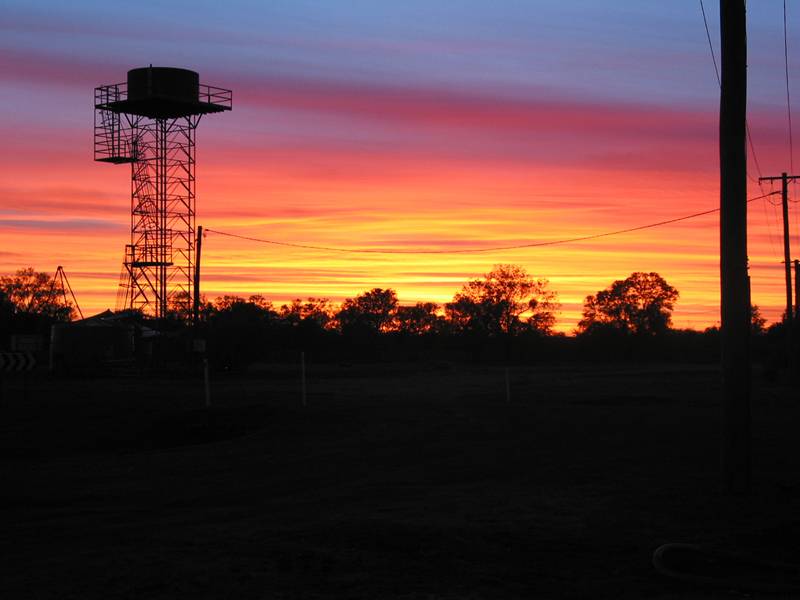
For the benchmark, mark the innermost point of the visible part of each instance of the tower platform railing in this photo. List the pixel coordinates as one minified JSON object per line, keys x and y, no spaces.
{"x":106,"y":97}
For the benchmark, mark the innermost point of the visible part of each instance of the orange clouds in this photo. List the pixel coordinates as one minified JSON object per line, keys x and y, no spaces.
{"x":392,"y":167}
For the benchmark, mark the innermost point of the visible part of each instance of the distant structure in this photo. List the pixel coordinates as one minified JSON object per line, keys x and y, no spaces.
{"x":150,"y":121}
{"x":60,"y":286}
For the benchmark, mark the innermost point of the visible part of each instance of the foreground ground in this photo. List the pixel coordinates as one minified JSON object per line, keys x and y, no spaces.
{"x":419,"y":481}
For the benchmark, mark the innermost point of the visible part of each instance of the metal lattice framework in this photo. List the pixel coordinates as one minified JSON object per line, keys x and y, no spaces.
{"x":160,"y":258}
{"x":157,"y":138}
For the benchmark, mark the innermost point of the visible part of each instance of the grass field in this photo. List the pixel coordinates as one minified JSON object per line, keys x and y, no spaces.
{"x":402,"y":481}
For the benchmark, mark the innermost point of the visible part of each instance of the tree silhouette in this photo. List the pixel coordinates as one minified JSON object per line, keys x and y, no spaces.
{"x":498,"y":303}
{"x":418,"y":319}
{"x":6,"y":313}
{"x":235,"y":310}
{"x":35,"y":294}
{"x":641,"y":304}
{"x":261,"y":302}
{"x":239,"y":330}
{"x":371,"y":311}
{"x":317,"y":312}
{"x":227,"y":303}
{"x":757,"y":321}
{"x":180,"y":307}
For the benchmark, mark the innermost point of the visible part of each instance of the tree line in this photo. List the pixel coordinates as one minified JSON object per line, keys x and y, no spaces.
{"x":507,"y":314}
{"x":506,"y":301}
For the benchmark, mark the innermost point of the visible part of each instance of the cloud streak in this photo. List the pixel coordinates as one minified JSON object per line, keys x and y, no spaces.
{"x":406,"y":136}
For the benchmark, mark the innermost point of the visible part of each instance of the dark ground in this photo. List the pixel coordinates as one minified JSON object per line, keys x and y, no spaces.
{"x":394,"y":482}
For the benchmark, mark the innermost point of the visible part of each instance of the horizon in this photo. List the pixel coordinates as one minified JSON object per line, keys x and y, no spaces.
{"x":414,"y":127}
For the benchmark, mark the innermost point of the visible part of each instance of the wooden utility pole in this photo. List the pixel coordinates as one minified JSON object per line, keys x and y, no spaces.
{"x":196,"y":299}
{"x":797,"y":289}
{"x":787,"y":262}
{"x":735,"y":287}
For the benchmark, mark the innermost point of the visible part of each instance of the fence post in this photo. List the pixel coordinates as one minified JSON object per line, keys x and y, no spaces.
{"x":206,"y":382}
{"x":303,"y":377}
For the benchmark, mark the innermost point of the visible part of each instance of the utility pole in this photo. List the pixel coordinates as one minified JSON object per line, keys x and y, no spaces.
{"x":797,"y":289}
{"x":196,"y":300}
{"x":735,"y":287}
{"x":787,"y":262}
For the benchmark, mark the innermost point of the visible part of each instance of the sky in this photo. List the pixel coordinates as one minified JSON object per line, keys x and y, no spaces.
{"x":404,"y":125}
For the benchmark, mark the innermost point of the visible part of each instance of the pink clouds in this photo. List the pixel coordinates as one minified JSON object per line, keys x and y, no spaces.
{"x":48,"y":69}
{"x":400,"y":124}
{"x":345,"y":163}
{"x":508,"y":111}
{"x":476,"y":110}
{"x":57,"y":200}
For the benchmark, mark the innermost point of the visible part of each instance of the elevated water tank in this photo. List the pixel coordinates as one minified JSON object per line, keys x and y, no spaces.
{"x":156,"y":93}
{"x":167,"y":83}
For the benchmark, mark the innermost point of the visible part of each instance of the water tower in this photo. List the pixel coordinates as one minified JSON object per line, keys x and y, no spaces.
{"x":150,"y":122}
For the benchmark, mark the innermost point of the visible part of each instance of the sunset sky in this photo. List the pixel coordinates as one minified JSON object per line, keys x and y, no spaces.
{"x":403,"y":125}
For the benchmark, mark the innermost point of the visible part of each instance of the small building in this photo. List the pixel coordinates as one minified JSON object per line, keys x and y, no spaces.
{"x":96,"y":342}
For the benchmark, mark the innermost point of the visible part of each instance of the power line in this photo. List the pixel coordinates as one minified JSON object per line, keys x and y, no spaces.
{"x":788,"y":99}
{"x":719,"y":83}
{"x":767,"y":214}
{"x":789,"y":106}
{"x":710,"y":45}
{"x":478,"y":250}
{"x":752,"y":152}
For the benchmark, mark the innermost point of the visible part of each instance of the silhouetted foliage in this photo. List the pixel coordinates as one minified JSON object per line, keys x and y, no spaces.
{"x":757,"y":322}
{"x":372,"y":311}
{"x":32,"y":293}
{"x":6,"y":314}
{"x":237,"y":310}
{"x":180,"y":307}
{"x":642,"y":304}
{"x":239,"y":328}
{"x":506,"y":315}
{"x":420,"y":319}
{"x":314,"y":312}
{"x":498,"y":304}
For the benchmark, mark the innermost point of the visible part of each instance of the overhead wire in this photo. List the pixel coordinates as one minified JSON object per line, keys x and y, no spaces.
{"x":773,"y":225}
{"x":767,"y":215}
{"x":476,"y":250}
{"x":788,"y":96}
{"x":719,"y":83}
{"x":543,"y":243}
{"x":710,"y":44}
{"x":773,"y":221}
{"x":789,"y":110}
